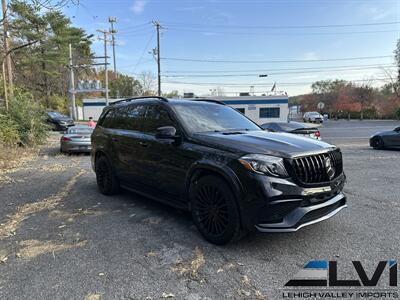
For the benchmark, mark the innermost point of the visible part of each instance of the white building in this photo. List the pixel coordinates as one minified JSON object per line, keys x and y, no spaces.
{"x":260,"y":109}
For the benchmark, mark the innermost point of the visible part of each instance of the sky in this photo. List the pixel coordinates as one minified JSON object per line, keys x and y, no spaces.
{"x":226,"y":45}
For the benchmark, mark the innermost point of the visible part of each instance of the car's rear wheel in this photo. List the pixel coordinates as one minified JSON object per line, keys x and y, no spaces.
{"x":215,"y":211}
{"x":107,"y":182}
{"x":377,"y":143}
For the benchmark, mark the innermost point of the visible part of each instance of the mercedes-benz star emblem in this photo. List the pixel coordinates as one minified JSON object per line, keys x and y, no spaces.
{"x":330,"y":170}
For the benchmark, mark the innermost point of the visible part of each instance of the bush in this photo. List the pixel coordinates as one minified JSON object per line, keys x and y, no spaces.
{"x":9,"y":134}
{"x":398,"y":113}
{"x":25,"y":118}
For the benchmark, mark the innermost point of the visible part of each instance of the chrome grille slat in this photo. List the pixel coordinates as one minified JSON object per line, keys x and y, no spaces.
{"x":311,"y":169}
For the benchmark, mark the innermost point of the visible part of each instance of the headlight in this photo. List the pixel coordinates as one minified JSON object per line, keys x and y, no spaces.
{"x":63,"y":123}
{"x":264,"y":164}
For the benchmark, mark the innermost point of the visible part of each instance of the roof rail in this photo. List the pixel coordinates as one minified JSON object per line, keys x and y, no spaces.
{"x":138,"y":98}
{"x":209,"y":100}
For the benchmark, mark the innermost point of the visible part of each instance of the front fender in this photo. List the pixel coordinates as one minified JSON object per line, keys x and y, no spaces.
{"x":223,"y":170}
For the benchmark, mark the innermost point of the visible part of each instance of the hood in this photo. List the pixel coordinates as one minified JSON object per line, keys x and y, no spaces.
{"x":263,"y":142}
{"x":384,"y":133}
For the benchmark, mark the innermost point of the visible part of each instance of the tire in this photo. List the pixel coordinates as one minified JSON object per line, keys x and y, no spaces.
{"x":107,"y":182}
{"x":377,"y":143}
{"x":215,"y":211}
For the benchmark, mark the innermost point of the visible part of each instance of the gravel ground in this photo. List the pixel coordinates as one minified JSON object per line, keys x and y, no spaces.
{"x":61,"y":239}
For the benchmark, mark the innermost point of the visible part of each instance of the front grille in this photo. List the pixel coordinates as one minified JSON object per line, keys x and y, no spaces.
{"x":312,"y":169}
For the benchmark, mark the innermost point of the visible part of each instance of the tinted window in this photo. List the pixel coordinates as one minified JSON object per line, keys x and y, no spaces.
{"x":108,"y":119}
{"x":270,"y":112}
{"x":81,"y":130}
{"x":156,"y":116}
{"x":128,"y":117}
{"x":56,"y":115}
{"x":202,"y":117}
{"x":275,"y":127}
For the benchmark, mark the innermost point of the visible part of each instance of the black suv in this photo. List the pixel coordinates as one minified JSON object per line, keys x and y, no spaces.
{"x":208,"y":158}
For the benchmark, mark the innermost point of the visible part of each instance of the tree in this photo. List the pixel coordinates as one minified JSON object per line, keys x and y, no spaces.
{"x":42,"y":66}
{"x":397,"y":58}
{"x":172,"y":94}
{"x":147,"y":80}
{"x":327,"y":91}
{"x":124,"y":86}
{"x":363,"y":95}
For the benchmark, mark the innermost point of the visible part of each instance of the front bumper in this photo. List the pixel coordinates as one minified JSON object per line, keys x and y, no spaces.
{"x":306,"y":215}
{"x":271,"y":204}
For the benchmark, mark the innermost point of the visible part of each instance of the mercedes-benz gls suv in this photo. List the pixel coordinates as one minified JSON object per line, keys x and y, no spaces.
{"x":208,"y":158}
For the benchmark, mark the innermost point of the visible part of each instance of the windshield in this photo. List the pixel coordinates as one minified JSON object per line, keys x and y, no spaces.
{"x":203,"y":117}
{"x":56,"y":115}
{"x":80,"y":130}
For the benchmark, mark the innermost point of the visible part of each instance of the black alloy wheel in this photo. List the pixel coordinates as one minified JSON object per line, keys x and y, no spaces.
{"x":214,"y":210}
{"x":107,"y":182}
{"x":377,"y":143}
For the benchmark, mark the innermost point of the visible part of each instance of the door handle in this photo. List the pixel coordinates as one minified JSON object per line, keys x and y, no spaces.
{"x":143,"y":144}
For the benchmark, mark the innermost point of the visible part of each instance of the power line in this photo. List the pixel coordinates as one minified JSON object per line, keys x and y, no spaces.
{"x":270,"y":73}
{"x":276,"y":69}
{"x":136,"y":26}
{"x":144,"y":51}
{"x":283,"y":26}
{"x":278,"y":33}
{"x":272,"y":61}
{"x":266,"y":84}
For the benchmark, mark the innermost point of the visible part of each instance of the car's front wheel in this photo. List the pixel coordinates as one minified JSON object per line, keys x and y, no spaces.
{"x":377,"y":143}
{"x":107,"y":182}
{"x":215,"y":211}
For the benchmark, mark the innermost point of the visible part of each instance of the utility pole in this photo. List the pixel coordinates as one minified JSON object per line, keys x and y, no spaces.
{"x":72,"y":84}
{"x":105,"y":33}
{"x":7,"y":47}
{"x":158,"y":27}
{"x":113,"y":20}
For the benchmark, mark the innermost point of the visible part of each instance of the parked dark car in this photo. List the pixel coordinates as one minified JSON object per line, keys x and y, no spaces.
{"x":386,"y":139}
{"x":293,"y":127}
{"x":58,"y":121}
{"x":208,"y":158}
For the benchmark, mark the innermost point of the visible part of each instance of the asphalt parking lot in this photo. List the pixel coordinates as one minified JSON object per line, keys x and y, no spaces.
{"x":61,"y":239}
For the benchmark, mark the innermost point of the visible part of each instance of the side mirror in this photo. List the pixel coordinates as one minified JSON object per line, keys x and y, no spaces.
{"x":397,"y":129}
{"x":166,"y":132}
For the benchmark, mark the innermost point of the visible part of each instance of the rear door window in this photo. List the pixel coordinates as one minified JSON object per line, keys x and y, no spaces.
{"x":129,"y":117}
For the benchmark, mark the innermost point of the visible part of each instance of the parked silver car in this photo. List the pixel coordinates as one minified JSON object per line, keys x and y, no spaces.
{"x":76,"y":139}
{"x":313,"y":116}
